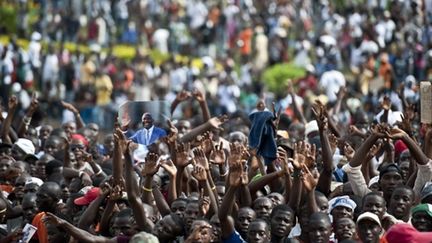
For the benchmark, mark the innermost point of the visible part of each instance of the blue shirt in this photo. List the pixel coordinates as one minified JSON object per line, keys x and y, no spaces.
{"x":235,"y":237}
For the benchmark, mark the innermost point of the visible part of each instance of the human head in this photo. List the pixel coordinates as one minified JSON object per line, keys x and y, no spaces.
{"x":390,"y":177}
{"x":320,"y":227}
{"x":21,"y":148}
{"x":52,"y":145}
{"x":183,"y":127}
{"x":5,"y":163}
{"x":406,"y":233}
{"x":191,"y":213}
{"x":369,"y":227}
{"x":44,"y":132}
{"x":263,"y":207}
{"x":168,"y":228}
{"x":201,"y":231}
{"x":69,"y":128}
{"x":19,"y":187}
{"x":41,"y":165}
{"x":237,"y":137}
{"x":321,"y":201}
{"x":147,"y":120}
{"x":422,"y":217}
{"x":258,"y":231}
{"x":48,"y":196}
{"x":426,"y":194}
{"x":344,"y":228}
{"x":124,"y":223}
{"x":276,"y":198}
{"x":29,"y":207}
{"x":342,"y":207}
{"x":178,"y":207}
{"x":282,"y":220}
{"x":245,"y":216}
{"x":402,"y":199}
{"x":5,"y":149}
{"x":32,"y":185}
{"x":373,"y":202}
{"x":108,"y":144}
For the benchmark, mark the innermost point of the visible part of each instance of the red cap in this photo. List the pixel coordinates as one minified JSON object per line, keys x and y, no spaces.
{"x":402,"y":233}
{"x":399,"y":147}
{"x":80,"y":137}
{"x":89,"y":197}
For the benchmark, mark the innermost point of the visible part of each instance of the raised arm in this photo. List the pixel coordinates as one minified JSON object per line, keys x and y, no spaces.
{"x":25,"y":122}
{"x":298,"y":113}
{"x":200,"y":97}
{"x":327,"y":153}
{"x":213,"y":123}
{"x":6,"y":125}
{"x":181,"y":96}
{"x":309,"y":184}
{"x":151,"y":167}
{"x":89,"y":215}
{"x":78,"y":120}
{"x":171,"y":169}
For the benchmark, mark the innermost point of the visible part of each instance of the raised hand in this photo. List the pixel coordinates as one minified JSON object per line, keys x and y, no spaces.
{"x":34,"y":104}
{"x":396,"y":133}
{"x":200,"y":158}
{"x":53,"y":219}
{"x":13,"y":102}
{"x":237,"y":174}
{"x":206,"y":142}
{"x":310,"y":154}
{"x":116,"y":193}
{"x":321,"y":115}
{"x":341,"y":93}
{"x":333,"y":142}
{"x":120,"y":140}
{"x":173,"y":131}
{"x":183,"y":95}
{"x":204,"y":203}
{"x":199,"y":173}
{"x":308,"y":179}
{"x":182,"y":155}
{"x":200,"y":97}
{"x":373,"y":151}
{"x":151,"y":165}
{"x":386,"y":103}
{"x":353,"y":130}
{"x":69,"y":106}
{"x":348,"y":151}
{"x":217,"y":155}
{"x":380,"y":130}
{"x":236,"y":153}
{"x":299,"y":158}
{"x":169,"y":167}
{"x":284,"y":163}
{"x":216,"y":122}
{"x":405,"y":124}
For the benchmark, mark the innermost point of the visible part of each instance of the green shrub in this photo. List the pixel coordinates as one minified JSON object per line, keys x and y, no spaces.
{"x":276,"y":77}
{"x":8,"y":18}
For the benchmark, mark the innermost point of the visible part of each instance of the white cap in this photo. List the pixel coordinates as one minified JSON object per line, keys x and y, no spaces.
{"x":311,"y":126}
{"x":34,"y":180}
{"x":26,"y":145}
{"x":373,"y":180}
{"x":343,"y":201}
{"x":368,"y":215}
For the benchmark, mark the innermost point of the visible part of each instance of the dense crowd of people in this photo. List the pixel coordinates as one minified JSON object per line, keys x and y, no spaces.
{"x":340,"y":155}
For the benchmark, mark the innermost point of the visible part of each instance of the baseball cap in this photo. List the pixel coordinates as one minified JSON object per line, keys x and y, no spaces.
{"x":25,"y":145}
{"x":426,"y":191}
{"x":34,"y":180}
{"x":401,"y":233}
{"x":88,"y":197}
{"x":389,"y":168}
{"x":423,"y":207}
{"x":144,"y":237}
{"x":311,"y":126}
{"x":373,"y":180}
{"x":343,"y":201}
{"x":370,"y":216}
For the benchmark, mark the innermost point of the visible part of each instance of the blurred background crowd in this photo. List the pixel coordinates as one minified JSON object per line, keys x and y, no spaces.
{"x":99,"y":53}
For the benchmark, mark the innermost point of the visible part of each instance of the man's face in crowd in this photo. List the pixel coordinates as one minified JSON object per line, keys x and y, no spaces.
{"x":422,"y":221}
{"x":276,"y":198}
{"x":29,"y":207}
{"x":69,"y":128}
{"x":19,"y":187}
{"x":342,"y":212}
{"x":404,"y":167}
{"x":205,"y":232}
{"x":17,"y":152}
{"x":345,"y":228}
{"x":263,"y":207}
{"x":281,"y":223}
{"x":244,"y":217}
{"x":44,"y":201}
{"x":5,"y":151}
{"x":78,"y":148}
{"x":147,"y":121}
{"x":44,"y":132}
{"x":389,"y":181}
{"x":368,"y":231}
{"x":183,"y":127}
{"x":319,"y":230}
{"x":258,"y":232}
{"x":178,"y":207}
{"x":375,"y":204}
{"x":166,"y":229}
{"x":124,"y":226}
{"x":109,"y":144}
{"x":401,"y":202}
{"x":322,"y":203}
{"x":220,"y":190}
{"x":191,"y":213}
{"x":52,"y":145}
{"x":5,"y":163}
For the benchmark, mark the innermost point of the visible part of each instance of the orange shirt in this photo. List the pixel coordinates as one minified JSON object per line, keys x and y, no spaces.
{"x":42,"y":232}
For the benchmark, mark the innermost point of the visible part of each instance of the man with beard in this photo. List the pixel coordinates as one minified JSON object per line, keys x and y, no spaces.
{"x":421,"y":217}
{"x":401,"y":202}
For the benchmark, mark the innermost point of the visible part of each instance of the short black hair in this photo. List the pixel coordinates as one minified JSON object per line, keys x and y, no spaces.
{"x":371,"y":194}
{"x":282,"y":207}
